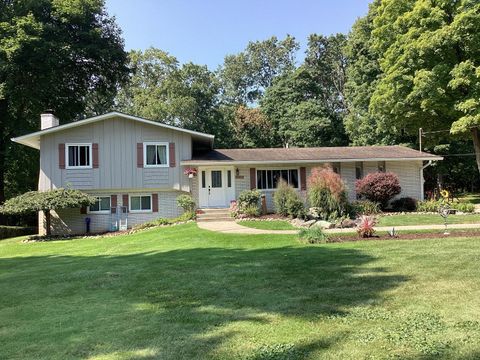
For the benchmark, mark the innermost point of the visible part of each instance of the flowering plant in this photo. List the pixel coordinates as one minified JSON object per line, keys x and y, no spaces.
{"x":190,"y":171}
{"x":365,"y":228}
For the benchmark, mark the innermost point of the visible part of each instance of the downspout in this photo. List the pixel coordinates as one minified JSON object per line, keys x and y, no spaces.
{"x":422,"y":180}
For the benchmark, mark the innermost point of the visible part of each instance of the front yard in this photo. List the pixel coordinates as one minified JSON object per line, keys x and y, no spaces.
{"x":184,"y":293}
{"x":427,"y":219}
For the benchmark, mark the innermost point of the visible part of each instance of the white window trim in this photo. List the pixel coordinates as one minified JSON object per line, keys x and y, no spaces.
{"x":167,"y":147}
{"x":78,"y":167}
{"x":101,"y":211}
{"x":139,"y":211}
{"x":278,"y":168}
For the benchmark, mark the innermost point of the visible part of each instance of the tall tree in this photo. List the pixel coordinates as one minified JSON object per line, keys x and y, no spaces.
{"x":246,"y":75}
{"x":182,"y":95}
{"x":300,"y":116}
{"x":53,"y":54}
{"x":430,"y":58}
{"x":251,"y":128}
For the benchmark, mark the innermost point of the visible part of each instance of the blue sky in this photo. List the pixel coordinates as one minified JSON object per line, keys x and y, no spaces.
{"x":205,"y":31}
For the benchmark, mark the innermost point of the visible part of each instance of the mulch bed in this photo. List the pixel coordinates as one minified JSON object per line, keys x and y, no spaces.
{"x":414,"y":236}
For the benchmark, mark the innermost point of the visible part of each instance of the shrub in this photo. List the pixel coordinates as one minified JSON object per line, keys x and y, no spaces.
{"x":14,"y":231}
{"x":313,"y":235}
{"x":186,"y":216}
{"x":379,"y":187}
{"x":365,"y":207}
{"x":251,"y":210}
{"x":404,"y":204}
{"x":287,"y":201}
{"x":249,"y":198}
{"x":186,"y":202}
{"x":366,"y":226}
{"x":428,"y":206}
{"x":326,"y":193}
{"x":464,"y":207}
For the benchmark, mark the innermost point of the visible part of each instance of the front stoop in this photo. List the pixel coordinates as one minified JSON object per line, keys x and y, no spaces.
{"x":214,"y":215}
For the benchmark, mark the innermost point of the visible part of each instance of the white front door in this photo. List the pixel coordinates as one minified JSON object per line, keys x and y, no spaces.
{"x":215,"y":187}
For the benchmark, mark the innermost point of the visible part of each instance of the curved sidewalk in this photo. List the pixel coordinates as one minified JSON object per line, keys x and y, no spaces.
{"x":231,"y":227}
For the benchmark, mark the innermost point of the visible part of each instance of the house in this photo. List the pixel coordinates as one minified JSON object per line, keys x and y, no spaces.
{"x":135,"y":168}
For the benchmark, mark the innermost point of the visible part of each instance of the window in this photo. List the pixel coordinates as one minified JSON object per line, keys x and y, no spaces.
{"x":268,"y":179}
{"x":229,"y":178}
{"x":358,"y":170}
{"x":102,"y":205}
{"x":203,"y":180}
{"x":381,"y":166}
{"x":141,"y":203}
{"x":79,"y":156}
{"x":216,"y":178}
{"x":155,"y":154}
{"x":336,"y":167}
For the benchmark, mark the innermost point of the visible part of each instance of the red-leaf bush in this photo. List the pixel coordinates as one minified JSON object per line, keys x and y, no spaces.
{"x":379,"y":187}
{"x":327,"y":194}
{"x":365,"y":228}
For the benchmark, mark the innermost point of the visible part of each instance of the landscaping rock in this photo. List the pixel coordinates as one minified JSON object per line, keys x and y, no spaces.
{"x":324,"y":224}
{"x":347,"y":223}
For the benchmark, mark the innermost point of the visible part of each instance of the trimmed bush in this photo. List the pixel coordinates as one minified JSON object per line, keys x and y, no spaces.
{"x":186,"y":216}
{"x":287,"y":201}
{"x":186,"y":202}
{"x":464,"y":207}
{"x":14,"y":231}
{"x":313,"y":235}
{"x":251,"y":211}
{"x":379,"y":187}
{"x":365,"y":207}
{"x":327,"y":194}
{"x":249,"y":198}
{"x":404,"y":204}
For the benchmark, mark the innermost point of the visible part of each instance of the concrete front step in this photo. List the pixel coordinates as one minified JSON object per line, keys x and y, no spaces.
{"x":214,"y":215}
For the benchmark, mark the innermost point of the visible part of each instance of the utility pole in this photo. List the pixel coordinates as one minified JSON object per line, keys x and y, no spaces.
{"x":420,"y":134}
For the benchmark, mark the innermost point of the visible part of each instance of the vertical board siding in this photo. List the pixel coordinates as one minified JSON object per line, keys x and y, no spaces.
{"x":140,"y":155}
{"x":95,"y":155}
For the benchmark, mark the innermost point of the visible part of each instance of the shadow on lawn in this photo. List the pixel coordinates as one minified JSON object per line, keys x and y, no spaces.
{"x":187,"y":303}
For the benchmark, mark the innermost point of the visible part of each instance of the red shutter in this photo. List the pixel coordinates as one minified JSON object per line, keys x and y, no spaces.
{"x":61,"y":156}
{"x":125,"y":200}
{"x":140,"y":155}
{"x":83,"y":210}
{"x":155,"y":202}
{"x":95,"y":156}
{"x":303,"y":178}
{"x":253,"y":179}
{"x":113,"y":203}
{"x":171,"y":154}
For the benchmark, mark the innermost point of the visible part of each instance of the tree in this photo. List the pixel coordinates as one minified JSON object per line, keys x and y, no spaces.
{"x":300,"y":116}
{"x":246,"y":75}
{"x":429,"y":57}
{"x":53,"y":54}
{"x":46,"y":201}
{"x":187,"y":95}
{"x":251,"y":128}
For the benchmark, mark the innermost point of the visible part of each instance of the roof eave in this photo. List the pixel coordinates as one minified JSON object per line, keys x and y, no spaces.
{"x":302,"y":161}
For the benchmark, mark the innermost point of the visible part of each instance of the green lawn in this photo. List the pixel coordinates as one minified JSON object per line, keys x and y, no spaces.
{"x":427,"y":219}
{"x":268,"y":224}
{"x":471,"y":198}
{"x":184,"y":293}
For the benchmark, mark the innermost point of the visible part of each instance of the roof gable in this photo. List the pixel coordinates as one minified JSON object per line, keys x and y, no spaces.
{"x":33,"y":139}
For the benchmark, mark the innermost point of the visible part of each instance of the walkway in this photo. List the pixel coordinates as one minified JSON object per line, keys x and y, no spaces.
{"x":231,"y":227}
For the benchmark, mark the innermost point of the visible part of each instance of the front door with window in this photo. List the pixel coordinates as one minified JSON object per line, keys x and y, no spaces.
{"x":215,"y":187}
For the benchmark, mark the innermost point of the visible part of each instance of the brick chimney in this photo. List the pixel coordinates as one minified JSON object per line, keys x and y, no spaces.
{"x":48,"y":120}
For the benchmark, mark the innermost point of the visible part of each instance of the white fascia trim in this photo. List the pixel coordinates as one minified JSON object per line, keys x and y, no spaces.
{"x":32,"y":140}
{"x":226,"y":162}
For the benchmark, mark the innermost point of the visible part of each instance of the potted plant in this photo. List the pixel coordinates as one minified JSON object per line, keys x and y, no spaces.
{"x":190,"y":172}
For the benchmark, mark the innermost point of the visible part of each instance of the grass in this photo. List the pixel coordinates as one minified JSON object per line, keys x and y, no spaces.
{"x":268,"y":224}
{"x":427,"y":219}
{"x":185,"y":293}
{"x":471,"y":198}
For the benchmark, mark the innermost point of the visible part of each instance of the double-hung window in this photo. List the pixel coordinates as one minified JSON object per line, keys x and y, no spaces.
{"x":155,"y":154}
{"x":79,"y":156}
{"x":101,"y":205}
{"x":269,"y":179}
{"x":140,"y":203}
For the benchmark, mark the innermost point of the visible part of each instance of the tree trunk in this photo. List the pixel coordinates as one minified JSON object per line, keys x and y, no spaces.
{"x":476,"y":146}
{"x":48,"y":220}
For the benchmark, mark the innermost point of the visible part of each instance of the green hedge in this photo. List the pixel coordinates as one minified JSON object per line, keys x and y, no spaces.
{"x":14,"y":231}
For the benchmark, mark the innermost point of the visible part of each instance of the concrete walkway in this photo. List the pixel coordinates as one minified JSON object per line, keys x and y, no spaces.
{"x":231,"y":227}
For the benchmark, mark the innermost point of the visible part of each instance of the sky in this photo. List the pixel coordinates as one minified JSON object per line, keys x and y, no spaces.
{"x":205,"y":31}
